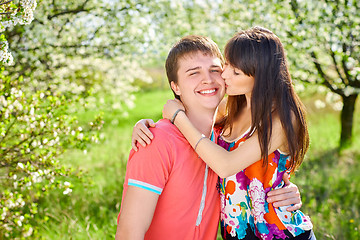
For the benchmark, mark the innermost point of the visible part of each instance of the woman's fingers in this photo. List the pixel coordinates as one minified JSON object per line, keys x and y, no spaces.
{"x":141,"y":133}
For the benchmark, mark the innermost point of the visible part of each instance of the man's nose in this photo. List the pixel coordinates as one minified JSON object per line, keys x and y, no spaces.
{"x":208,"y":78}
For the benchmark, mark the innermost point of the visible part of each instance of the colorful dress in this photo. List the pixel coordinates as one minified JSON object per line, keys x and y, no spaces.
{"x":245,"y":213}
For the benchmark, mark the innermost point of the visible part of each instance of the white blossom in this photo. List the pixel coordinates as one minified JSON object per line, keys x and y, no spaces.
{"x":3,"y":215}
{"x":25,"y":16}
{"x":319,"y":104}
{"x":5,"y":55}
{"x":337,"y":106}
{"x":21,"y":165}
{"x":67,"y":183}
{"x":80,"y":136}
{"x":67,"y":191}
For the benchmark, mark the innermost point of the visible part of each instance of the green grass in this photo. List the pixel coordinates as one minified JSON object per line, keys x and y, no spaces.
{"x":329,"y":183}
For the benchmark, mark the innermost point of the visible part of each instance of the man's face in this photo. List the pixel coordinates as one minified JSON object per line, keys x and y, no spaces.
{"x":200,"y":85}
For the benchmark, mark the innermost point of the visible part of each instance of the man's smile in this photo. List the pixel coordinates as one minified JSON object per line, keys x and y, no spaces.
{"x":208,"y":91}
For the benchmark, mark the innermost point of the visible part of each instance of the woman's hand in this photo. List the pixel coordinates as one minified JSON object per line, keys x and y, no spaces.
{"x":170,"y":108}
{"x":141,"y":133}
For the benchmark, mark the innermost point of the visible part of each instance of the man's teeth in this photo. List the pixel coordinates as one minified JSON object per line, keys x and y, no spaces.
{"x":207,"y":91}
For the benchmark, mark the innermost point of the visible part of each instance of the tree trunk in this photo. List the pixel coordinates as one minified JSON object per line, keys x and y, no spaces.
{"x":347,"y":119}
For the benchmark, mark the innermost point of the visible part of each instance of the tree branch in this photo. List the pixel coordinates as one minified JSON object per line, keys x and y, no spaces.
{"x":3,"y":3}
{"x":295,"y":8}
{"x":343,"y":61}
{"x":79,"y":9}
{"x":326,"y":80}
{"x":31,"y":138}
{"x":332,"y":54}
{"x":8,"y":129}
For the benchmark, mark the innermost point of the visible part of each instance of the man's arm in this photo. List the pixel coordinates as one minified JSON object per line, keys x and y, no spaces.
{"x":136,"y":213}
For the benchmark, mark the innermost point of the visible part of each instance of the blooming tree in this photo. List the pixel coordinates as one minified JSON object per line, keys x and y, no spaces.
{"x":11,"y":15}
{"x":328,"y":32}
{"x":322,"y":42}
{"x":71,"y":48}
{"x":77,"y":42}
{"x":35,"y":128}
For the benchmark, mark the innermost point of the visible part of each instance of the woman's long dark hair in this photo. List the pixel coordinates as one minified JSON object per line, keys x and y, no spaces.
{"x":259,"y":53}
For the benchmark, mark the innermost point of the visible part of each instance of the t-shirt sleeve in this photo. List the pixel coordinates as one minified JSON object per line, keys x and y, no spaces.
{"x":149,"y":167}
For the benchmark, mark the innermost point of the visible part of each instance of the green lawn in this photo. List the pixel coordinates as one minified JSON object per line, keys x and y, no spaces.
{"x":329,"y":184}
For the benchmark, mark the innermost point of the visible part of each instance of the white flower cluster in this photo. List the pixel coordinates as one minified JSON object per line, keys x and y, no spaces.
{"x":24,"y":16}
{"x":5,"y":55}
{"x":11,"y":105}
{"x":14,"y":201}
{"x":28,"y":12}
{"x":112,"y":80}
{"x":67,"y":188}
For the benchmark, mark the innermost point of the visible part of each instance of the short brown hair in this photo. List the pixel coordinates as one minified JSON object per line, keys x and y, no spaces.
{"x":187,"y":45}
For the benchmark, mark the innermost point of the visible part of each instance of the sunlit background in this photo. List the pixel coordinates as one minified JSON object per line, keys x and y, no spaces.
{"x":77,"y":75}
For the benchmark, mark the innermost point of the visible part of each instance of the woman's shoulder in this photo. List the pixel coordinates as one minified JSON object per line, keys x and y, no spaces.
{"x":279,"y":129}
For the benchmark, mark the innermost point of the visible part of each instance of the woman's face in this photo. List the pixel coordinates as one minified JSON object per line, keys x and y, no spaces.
{"x":237,"y":82}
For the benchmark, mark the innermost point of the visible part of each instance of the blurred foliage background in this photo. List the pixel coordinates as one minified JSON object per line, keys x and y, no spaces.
{"x":77,"y":75}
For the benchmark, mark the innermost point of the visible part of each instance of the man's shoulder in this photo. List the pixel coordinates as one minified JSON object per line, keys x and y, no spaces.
{"x":166,"y":136}
{"x":164,"y":128}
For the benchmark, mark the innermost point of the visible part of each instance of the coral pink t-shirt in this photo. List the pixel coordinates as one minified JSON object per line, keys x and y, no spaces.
{"x":188,"y":206}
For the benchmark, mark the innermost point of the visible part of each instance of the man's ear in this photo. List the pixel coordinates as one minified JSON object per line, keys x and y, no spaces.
{"x":175,"y":88}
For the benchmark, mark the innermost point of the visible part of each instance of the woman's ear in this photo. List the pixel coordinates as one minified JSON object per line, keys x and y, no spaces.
{"x":175,"y":88}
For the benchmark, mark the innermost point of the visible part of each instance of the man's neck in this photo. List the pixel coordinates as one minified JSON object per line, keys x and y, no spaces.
{"x":201,"y":120}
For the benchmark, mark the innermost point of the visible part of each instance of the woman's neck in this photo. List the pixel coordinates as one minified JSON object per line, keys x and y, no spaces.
{"x":248,"y":101}
{"x":241,"y":124}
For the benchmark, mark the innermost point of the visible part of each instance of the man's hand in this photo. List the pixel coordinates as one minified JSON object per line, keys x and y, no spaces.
{"x":141,"y":133}
{"x":285,"y":196}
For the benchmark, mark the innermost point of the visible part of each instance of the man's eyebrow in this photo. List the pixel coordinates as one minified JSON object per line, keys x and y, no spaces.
{"x":191,"y":69}
{"x":212,"y":66}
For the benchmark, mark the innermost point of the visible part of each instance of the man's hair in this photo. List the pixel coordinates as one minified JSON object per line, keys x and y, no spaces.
{"x":188,"y":45}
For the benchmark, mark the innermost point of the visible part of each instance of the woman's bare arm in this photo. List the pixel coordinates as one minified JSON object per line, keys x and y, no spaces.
{"x":222,"y":162}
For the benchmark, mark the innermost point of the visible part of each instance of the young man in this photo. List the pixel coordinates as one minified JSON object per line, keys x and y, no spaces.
{"x":169,"y":192}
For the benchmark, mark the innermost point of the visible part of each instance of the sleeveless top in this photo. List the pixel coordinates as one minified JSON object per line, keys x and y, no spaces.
{"x":245,"y":213}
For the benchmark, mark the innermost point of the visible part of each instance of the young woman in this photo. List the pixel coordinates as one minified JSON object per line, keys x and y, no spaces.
{"x":260,"y":132}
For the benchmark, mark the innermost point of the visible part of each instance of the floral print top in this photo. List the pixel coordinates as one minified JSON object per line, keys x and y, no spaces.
{"x":245,"y":213}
